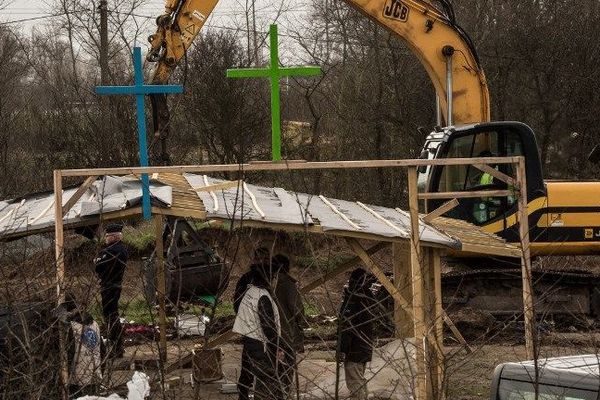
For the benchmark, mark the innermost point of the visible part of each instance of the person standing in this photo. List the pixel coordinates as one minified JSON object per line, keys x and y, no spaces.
{"x":257,"y":321}
{"x":110,"y":267}
{"x":291,"y":310}
{"x":84,"y":348}
{"x":356,"y":331}
{"x":246,"y":378}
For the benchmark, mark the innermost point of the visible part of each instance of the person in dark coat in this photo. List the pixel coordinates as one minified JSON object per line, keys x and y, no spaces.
{"x":110,"y":268}
{"x":258,"y":322}
{"x":291,"y":311}
{"x":356,"y":331}
{"x":261,"y":259}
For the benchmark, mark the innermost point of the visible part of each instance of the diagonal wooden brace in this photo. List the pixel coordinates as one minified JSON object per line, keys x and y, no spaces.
{"x":393,"y":291}
{"x":80,"y":191}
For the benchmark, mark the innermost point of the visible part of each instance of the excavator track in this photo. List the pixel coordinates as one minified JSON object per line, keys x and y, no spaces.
{"x":498,"y":291}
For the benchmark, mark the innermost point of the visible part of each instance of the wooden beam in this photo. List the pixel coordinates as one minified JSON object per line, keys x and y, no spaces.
{"x":417,"y":284}
{"x":528,"y":303}
{"x":496,"y":174}
{"x":465,"y":195}
{"x":289,"y":166}
{"x":403,"y":323}
{"x":443,"y":209}
{"x":380,"y":275}
{"x":59,"y":251}
{"x":161,"y":285}
{"x":218,"y":186}
{"x":80,"y":191}
{"x":438,"y":320}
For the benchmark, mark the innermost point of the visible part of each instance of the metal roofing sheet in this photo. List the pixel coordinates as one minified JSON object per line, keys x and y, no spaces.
{"x":36,"y":212}
{"x":278,"y":206}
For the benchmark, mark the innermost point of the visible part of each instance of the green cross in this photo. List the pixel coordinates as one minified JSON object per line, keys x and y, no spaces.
{"x":274,"y":73}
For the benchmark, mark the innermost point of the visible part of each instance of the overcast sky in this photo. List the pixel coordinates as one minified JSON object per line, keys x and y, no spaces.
{"x":27,"y":14}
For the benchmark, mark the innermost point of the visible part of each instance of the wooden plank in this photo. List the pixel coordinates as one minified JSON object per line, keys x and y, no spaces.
{"x":80,"y":191}
{"x":417,"y":286}
{"x":528,"y":303}
{"x":380,"y":275}
{"x":491,"y":250}
{"x":289,"y":166}
{"x":444,"y":208}
{"x":438,"y":320}
{"x":465,"y":195}
{"x":218,"y":186}
{"x":401,"y":264}
{"x":59,"y":239}
{"x":161,"y":285}
{"x":497,"y":174}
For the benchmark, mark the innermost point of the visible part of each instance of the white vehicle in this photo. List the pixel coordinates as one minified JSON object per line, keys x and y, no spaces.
{"x":562,"y":378}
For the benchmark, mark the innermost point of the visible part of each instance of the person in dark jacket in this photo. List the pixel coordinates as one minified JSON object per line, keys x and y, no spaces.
{"x":261,"y":258}
{"x":356,"y":331}
{"x":291,"y":311}
{"x":110,"y":268}
{"x":258,"y":322}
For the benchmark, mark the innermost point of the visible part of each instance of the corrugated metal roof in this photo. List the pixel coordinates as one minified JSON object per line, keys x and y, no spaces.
{"x":172,"y":194}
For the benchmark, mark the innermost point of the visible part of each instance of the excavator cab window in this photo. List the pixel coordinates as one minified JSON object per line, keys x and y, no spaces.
{"x":460,"y":178}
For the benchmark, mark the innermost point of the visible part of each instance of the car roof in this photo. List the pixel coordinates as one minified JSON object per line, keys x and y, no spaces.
{"x":582,"y":372}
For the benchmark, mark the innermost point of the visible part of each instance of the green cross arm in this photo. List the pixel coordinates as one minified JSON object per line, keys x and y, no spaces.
{"x":268,"y":73}
{"x":274,"y":73}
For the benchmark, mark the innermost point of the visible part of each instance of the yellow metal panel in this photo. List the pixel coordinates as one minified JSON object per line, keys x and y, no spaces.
{"x":426,"y":32}
{"x":573,"y":194}
{"x":568,"y":220}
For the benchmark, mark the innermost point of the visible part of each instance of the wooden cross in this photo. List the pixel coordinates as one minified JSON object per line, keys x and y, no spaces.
{"x":274,"y":73}
{"x":139,"y":90}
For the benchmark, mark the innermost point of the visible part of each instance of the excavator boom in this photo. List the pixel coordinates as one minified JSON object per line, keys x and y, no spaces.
{"x":431,"y":33}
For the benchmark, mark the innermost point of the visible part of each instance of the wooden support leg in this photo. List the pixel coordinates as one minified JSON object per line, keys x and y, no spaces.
{"x":528,"y":310}
{"x":421,"y":392}
{"x":161,"y":285}
{"x":438,"y":323}
{"x":402,"y":320}
{"x":60,"y":280}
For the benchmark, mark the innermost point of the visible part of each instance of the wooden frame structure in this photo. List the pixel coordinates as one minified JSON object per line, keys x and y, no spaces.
{"x":417,"y":266}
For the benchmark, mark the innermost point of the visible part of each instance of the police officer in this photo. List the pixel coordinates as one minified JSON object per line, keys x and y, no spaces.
{"x":110,"y":268}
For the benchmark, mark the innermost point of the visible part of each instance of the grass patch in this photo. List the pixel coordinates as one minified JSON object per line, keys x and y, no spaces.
{"x":324,"y":263}
{"x":139,"y":238}
{"x":310,"y":309}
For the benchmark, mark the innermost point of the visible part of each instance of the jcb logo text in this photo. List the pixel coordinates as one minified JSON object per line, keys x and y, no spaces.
{"x":395,"y":9}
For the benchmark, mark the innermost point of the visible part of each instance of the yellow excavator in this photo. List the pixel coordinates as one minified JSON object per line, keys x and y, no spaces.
{"x":564,"y":217}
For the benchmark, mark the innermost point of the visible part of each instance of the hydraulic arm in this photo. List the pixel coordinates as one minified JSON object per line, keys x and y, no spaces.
{"x":443,"y":48}
{"x":176,"y":30}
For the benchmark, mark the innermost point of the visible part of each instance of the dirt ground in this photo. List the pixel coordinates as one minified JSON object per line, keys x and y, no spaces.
{"x":468,"y":376}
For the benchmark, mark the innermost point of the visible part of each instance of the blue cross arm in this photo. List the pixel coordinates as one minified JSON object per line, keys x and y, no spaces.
{"x":300,"y":71}
{"x":137,"y":90}
{"x":249,"y":73}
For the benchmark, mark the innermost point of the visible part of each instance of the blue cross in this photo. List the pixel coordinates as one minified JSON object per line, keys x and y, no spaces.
{"x":140,"y":91}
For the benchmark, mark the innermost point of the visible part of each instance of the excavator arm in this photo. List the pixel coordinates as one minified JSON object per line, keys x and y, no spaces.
{"x":443,"y":48}
{"x":176,"y":29}
{"x":434,"y":37}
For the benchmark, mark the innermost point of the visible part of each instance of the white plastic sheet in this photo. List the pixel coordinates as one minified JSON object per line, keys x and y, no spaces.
{"x":138,"y":387}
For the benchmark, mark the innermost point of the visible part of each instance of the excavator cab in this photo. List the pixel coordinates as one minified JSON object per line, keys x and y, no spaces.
{"x":495,"y":139}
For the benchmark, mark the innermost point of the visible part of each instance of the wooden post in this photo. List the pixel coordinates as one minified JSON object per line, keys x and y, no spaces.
{"x":60,"y":280}
{"x":437,"y":322}
{"x":403,"y":321}
{"x":417,"y":286}
{"x":161,"y":285}
{"x":528,"y":310}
